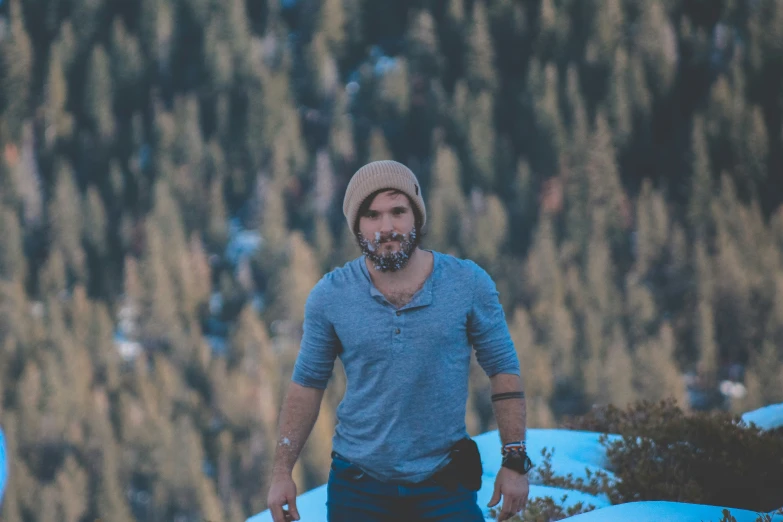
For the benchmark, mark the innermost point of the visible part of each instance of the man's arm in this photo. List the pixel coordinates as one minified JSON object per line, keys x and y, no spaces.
{"x":510,"y":414}
{"x":297,"y":418}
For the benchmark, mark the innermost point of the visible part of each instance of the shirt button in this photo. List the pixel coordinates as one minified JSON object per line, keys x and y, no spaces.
{"x":399,"y":313}
{"x":397,"y":331}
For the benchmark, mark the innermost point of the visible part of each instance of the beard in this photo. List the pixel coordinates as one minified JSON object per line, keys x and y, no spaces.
{"x":388,"y":261}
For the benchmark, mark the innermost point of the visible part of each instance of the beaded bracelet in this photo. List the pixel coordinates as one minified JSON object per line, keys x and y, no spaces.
{"x":513,"y":447}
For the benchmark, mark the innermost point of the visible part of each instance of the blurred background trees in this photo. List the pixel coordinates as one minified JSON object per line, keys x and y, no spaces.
{"x":171,"y":181}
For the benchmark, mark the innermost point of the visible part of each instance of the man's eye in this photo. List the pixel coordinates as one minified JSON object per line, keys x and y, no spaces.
{"x":399,"y":211}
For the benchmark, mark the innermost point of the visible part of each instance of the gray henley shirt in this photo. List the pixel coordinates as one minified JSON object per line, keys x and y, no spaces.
{"x":406,"y":369}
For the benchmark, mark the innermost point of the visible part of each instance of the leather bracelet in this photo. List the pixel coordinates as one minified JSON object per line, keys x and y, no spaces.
{"x":508,"y":395}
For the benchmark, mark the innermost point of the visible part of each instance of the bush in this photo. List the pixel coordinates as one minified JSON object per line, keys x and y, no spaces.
{"x":701,"y":458}
{"x":545,"y":509}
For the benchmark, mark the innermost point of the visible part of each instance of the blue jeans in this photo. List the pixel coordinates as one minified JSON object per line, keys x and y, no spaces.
{"x":354,"y":496}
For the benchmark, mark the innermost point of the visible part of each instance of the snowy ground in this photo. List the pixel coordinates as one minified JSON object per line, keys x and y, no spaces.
{"x":573,"y":452}
{"x":3,"y":466}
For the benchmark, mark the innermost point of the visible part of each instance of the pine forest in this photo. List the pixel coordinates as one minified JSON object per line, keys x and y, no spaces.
{"x":171,"y":183}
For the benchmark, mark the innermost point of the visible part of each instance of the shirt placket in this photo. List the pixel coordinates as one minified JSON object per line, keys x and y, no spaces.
{"x":398,"y":329}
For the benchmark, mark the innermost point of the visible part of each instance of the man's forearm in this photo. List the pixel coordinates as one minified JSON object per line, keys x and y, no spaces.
{"x":510,"y":413}
{"x":297,"y":418}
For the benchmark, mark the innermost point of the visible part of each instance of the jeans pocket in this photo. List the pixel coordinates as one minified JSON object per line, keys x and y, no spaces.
{"x":346,"y":470}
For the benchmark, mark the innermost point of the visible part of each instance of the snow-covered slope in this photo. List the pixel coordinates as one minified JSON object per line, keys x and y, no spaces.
{"x":3,"y":466}
{"x":766,"y":418}
{"x":573,"y":452}
{"x":664,"y":511}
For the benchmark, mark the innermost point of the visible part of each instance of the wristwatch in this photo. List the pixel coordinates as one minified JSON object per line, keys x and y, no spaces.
{"x":518,"y":461}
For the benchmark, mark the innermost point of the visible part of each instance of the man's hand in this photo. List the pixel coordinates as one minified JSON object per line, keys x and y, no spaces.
{"x":282,"y":492}
{"x":514,"y":488}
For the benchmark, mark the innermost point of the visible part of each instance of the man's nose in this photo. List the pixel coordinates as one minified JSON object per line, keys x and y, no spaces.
{"x":386,"y":223}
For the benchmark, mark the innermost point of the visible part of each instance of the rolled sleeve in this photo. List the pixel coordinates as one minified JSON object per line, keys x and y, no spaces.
{"x":319,"y":346}
{"x":487,"y":328}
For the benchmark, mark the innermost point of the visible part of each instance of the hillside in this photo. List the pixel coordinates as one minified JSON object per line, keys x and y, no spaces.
{"x":171,"y":181}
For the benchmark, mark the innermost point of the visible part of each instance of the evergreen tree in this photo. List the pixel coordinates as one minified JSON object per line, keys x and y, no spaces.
{"x":274,"y":220}
{"x":607,"y":31}
{"x":549,"y":30}
{"x":446,"y":203}
{"x":752,"y":161}
{"x":608,"y":368}
{"x":547,"y":134}
{"x":393,"y":94}
{"x":641,"y":311}
{"x":656,"y":42}
{"x":765,"y":64}
{"x":620,"y":109}
{"x":99,"y":95}
{"x":601,"y":292}
{"x":522,"y":211}
{"x":701,"y":182}
{"x":235,"y":28}
{"x":656,"y":375}
{"x":218,"y":59}
{"x":95,"y":223}
{"x":481,"y":140}
{"x":12,"y":260}
{"x":332,"y":23}
{"x":16,"y":70}
{"x":297,"y":278}
{"x":341,"y":139}
{"x":160,"y":310}
{"x":379,"y":149}
{"x":101,"y":349}
{"x":323,"y":76}
{"x":763,"y":377}
{"x":88,"y":15}
{"x":71,"y":483}
{"x":732,"y":288}
{"x":65,"y":45}
{"x":59,"y":123}
{"x":26,"y":177}
{"x":479,"y":60}
{"x":127,"y":67}
{"x":652,"y":225}
{"x":704,"y":321}
{"x":484,"y":228}
{"x":453,"y":41}
{"x":576,"y":112}
{"x":216,"y":234}
{"x":536,"y":370}
{"x":65,"y":220}
{"x":421,"y":46}
{"x":560,"y":337}
{"x":618,"y":370}
{"x":187,"y":175}
{"x":596,"y":201}
{"x":543,"y":268}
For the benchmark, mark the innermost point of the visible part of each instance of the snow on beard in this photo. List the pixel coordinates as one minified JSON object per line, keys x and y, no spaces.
{"x":388,"y":261}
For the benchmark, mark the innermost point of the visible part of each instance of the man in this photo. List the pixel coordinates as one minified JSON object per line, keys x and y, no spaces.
{"x":403,"y":320}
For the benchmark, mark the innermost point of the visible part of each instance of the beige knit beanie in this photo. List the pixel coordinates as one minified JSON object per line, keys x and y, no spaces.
{"x":379,"y":175}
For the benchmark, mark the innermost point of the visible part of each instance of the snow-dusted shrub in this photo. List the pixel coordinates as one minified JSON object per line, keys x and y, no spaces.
{"x":703,"y":458}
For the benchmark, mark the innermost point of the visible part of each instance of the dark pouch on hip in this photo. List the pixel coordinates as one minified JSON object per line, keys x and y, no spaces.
{"x":464,"y":467}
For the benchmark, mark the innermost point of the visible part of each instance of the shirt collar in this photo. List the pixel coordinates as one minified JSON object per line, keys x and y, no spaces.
{"x":422,"y":298}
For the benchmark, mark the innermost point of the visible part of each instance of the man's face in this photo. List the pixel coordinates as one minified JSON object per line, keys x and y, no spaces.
{"x":387,"y":231}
